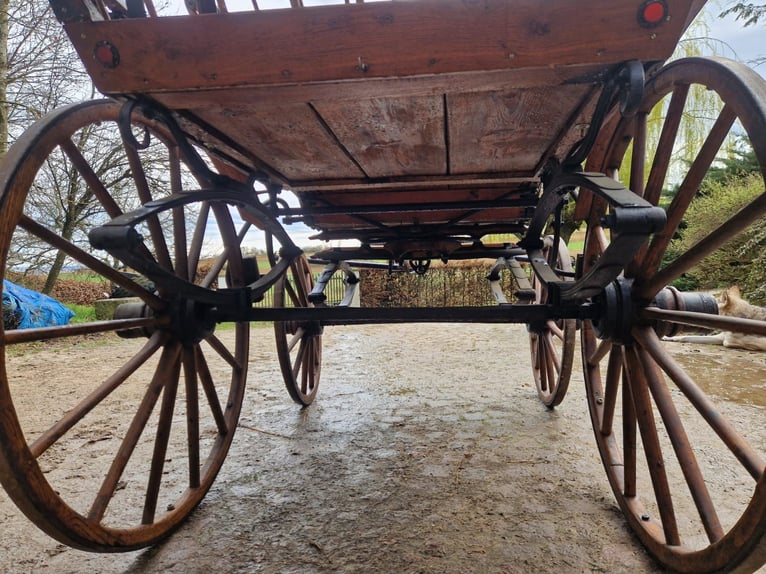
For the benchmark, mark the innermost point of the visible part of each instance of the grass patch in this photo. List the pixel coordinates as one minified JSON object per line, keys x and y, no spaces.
{"x":82,"y":313}
{"x":84,"y":276}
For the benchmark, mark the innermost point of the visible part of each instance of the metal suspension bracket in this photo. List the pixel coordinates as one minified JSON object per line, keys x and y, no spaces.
{"x":199,"y":168}
{"x":120,"y":238}
{"x":420,"y":266}
{"x":350,"y":280}
{"x":632,"y":220}
{"x":525,"y":292}
{"x":626,"y":86}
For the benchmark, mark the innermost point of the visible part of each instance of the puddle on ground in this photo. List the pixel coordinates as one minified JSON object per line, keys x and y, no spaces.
{"x":731,"y":374}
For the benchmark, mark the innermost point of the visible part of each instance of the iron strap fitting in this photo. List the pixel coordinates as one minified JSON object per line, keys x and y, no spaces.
{"x":631,"y":220}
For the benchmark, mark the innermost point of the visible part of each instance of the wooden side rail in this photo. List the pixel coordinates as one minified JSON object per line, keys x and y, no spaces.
{"x":100,"y":10}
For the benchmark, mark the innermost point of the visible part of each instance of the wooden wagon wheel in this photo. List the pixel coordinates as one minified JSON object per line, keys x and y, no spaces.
{"x":117,"y":458}
{"x":552,"y":343}
{"x":299,"y":344}
{"x":659,"y":433}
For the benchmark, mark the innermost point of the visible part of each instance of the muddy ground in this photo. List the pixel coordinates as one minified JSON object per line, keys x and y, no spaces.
{"x":427,"y":451}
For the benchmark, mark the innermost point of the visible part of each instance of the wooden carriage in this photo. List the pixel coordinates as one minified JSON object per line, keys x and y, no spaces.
{"x":409,"y":132}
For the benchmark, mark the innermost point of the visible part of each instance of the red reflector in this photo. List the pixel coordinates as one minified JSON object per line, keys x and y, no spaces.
{"x":652,"y":13}
{"x":106,"y":54}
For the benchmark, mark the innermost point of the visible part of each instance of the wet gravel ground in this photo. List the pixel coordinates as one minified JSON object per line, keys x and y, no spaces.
{"x":426,"y":451}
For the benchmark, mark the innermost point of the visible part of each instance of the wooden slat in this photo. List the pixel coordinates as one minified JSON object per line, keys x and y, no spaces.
{"x":264,"y":96}
{"x":499,"y":216}
{"x":360,"y":41}
{"x":290,"y":139}
{"x":507,"y":131}
{"x":390,"y":136}
{"x":407,"y":196}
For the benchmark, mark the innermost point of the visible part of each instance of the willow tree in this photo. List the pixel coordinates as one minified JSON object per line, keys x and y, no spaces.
{"x":703,"y":106}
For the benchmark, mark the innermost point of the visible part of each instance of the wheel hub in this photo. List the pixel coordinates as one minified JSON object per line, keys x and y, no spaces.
{"x":191,"y":322}
{"x":618,"y":309}
{"x":616,"y":319}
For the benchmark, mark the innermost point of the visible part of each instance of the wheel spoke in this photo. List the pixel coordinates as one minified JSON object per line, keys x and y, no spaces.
{"x":688,"y":189}
{"x":198,"y":238}
{"x":551,"y":353}
{"x":299,"y":357}
{"x":731,"y":438}
{"x":76,"y":414}
{"x":716,"y":322}
{"x":306,"y":367}
{"x":179,"y":217}
{"x":192,"y":413}
{"x":296,"y":338}
{"x":161,"y":444}
{"x":210,"y":391}
{"x":179,"y":243}
{"x":145,"y":195}
{"x":613,"y":376}
{"x":682,"y":448}
{"x":231,"y":244}
{"x":662,"y":156}
{"x":601,"y":351}
{"x":639,"y":390}
{"x":167,"y":364}
{"x":294,"y":298}
{"x":638,"y":157}
{"x":34,"y":334}
{"x":91,"y":179}
{"x":555,"y":330}
{"x":546,"y":380}
{"x":707,"y":245}
{"x":223,"y":351}
{"x":90,"y":262}
{"x":629,"y":436}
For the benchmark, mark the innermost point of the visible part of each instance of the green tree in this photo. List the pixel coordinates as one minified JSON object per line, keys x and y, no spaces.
{"x":748,"y":12}
{"x":739,"y":262}
{"x":740,"y":162}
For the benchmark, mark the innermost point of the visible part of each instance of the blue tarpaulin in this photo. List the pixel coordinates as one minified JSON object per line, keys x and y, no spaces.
{"x":24,"y":308}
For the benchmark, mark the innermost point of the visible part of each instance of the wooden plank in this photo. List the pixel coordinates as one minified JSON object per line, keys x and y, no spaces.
{"x":390,"y":137}
{"x":375,"y":40}
{"x":507,"y":131}
{"x":408,"y":196}
{"x":495,"y":216}
{"x":290,"y":139}
{"x":464,"y":82}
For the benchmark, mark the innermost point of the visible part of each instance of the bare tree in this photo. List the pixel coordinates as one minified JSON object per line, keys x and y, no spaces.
{"x":39,"y":72}
{"x":42,"y":70}
{"x":4,"y":29}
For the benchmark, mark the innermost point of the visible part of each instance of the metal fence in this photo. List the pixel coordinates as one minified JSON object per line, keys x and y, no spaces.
{"x":334,"y":292}
{"x":440,"y":287}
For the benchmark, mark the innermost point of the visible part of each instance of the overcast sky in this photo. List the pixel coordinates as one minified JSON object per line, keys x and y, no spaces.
{"x":744,"y":44}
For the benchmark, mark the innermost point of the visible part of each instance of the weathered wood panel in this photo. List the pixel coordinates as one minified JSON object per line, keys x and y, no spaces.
{"x":507,"y":131}
{"x":376,"y":40}
{"x":290,"y":139}
{"x":390,"y":137}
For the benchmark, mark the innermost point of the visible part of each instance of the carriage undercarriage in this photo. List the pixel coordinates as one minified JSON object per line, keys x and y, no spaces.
{"x":195,"y":176}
